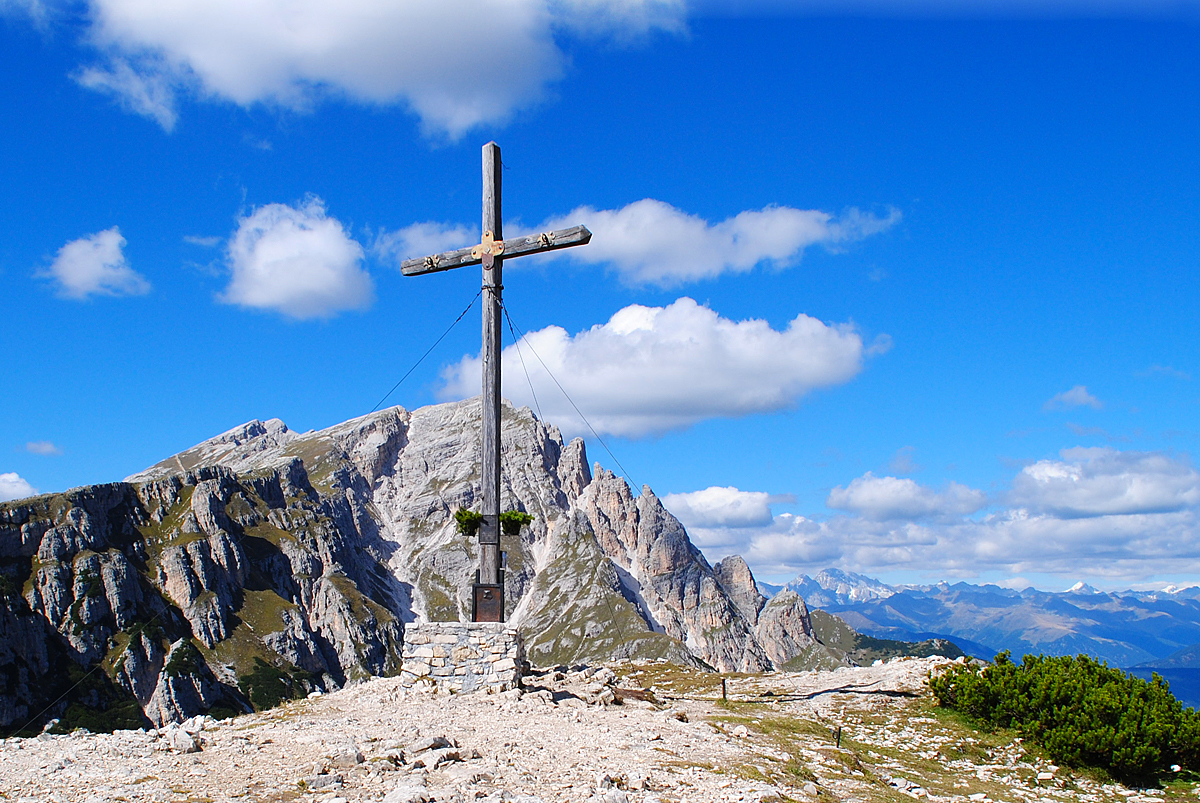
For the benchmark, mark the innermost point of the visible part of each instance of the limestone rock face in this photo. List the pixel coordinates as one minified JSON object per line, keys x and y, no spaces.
{"x":26,"y":656}
{"x":185,"y":684}
{"x":180,"y":587}
{"x":734,"y":576}
{"x":265,"y":560}
{"x":784,"y":628}
{"x":675,"y":589}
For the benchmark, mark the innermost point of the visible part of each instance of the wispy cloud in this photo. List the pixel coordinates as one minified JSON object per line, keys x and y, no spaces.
{"x":1095,"y":432}
{"x":45,"y":448}
{"x":1077,"y":396}
{"x":943,"y":9}
{"x":1166,"y":370}
{"x":203,"y":242}
{"x":148,"y":89}
{"x":95,"y":265}
{"x":421,"y":239}
{"x":902,"y":461}
{"x":36,"y":11}
{"x":258,"y":143}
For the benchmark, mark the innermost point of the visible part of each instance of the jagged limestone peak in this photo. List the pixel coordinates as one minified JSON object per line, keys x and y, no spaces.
{"x":265,"y":559}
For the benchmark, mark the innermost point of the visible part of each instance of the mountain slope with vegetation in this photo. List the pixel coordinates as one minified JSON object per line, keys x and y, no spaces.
{"x":264,"y":563}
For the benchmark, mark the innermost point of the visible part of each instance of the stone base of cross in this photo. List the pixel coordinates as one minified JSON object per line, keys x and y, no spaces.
{"x":487,"y":598}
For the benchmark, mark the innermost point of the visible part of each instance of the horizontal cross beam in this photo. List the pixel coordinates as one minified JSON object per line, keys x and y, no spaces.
{"x":514,"y":247}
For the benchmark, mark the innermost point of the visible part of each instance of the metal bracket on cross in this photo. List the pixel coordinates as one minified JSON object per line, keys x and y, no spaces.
{"x":490,"y":245}
{"x":512,"y":247}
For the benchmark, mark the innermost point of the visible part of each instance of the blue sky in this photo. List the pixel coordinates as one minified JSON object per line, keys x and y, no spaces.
{"x":905,"y":289}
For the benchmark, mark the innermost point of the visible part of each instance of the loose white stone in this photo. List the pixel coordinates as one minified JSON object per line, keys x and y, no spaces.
{"x":408,"y":794}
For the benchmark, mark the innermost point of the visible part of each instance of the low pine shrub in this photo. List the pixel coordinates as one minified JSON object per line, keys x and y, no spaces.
{"x":1081,"y":711}
{"x":468,"y":522}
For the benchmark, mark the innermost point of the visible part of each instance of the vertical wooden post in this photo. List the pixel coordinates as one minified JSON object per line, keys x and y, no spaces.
{"x":489,"y":533}
{"x":487,"y":603}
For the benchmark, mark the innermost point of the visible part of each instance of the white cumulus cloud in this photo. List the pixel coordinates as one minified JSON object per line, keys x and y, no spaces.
{"x":652,"y":242}
{"x":1104,"y":481}
{"x":883,"y":498}
{"x":12,"y":486}
{"x":298,"y":261}
{"x":715,"y":515}
{"x":653,"y":369}
{"x":1077,"y":396}
{"x":455,"y":64}
{"x":721,"y":507}
{"x":1126,"y":516}
{"x":422,"y":239}
{"x":95,"y":265}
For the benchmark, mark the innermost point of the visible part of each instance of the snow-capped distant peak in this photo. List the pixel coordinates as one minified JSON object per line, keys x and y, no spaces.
{"x":836,"y":587}
{"x":1174,"y":589}
{"x":1082,"y":588}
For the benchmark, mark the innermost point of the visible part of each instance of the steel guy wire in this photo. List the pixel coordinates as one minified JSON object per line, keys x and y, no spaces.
{"x":532,"y":392}
{"x":427,"y":352}
{"x":567,"y":396}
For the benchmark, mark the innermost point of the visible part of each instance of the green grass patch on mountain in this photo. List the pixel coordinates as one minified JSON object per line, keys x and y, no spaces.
{"x":580,"y":615}
{"x":159,"y":535}
{"x":863,"y":650}
{"x":360,"y":603}
{"x":266,"y":686}
{"x":185,"y":660}
{"x":320,"y":462}
{"x":240,"y":506}
{"x":261,"y":613}
{"x":1081,"y":711}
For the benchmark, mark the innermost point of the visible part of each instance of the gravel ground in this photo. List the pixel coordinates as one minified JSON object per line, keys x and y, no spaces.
{"x":775,"y":740}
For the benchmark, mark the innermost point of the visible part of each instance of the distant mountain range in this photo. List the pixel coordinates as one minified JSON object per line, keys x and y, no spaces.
{"x":1125,"y":628}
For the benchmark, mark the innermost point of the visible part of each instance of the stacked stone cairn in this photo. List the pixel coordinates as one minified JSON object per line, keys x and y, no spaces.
{"x":462,"y":657}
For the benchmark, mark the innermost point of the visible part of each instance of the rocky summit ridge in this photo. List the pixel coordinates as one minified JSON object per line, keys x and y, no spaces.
{"x":263,"y":563}
{"x":650,"y":733}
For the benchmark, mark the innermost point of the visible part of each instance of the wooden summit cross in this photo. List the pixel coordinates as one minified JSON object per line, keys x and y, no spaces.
{"x":487,"y":603}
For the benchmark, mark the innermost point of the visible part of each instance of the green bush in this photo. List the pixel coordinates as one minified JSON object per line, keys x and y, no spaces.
{"x":1082,"y":712}
{"x":268,"y":686}
{"x":511,"y":521}
{"x":185,"y":660}
{"x":468,"y":522}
